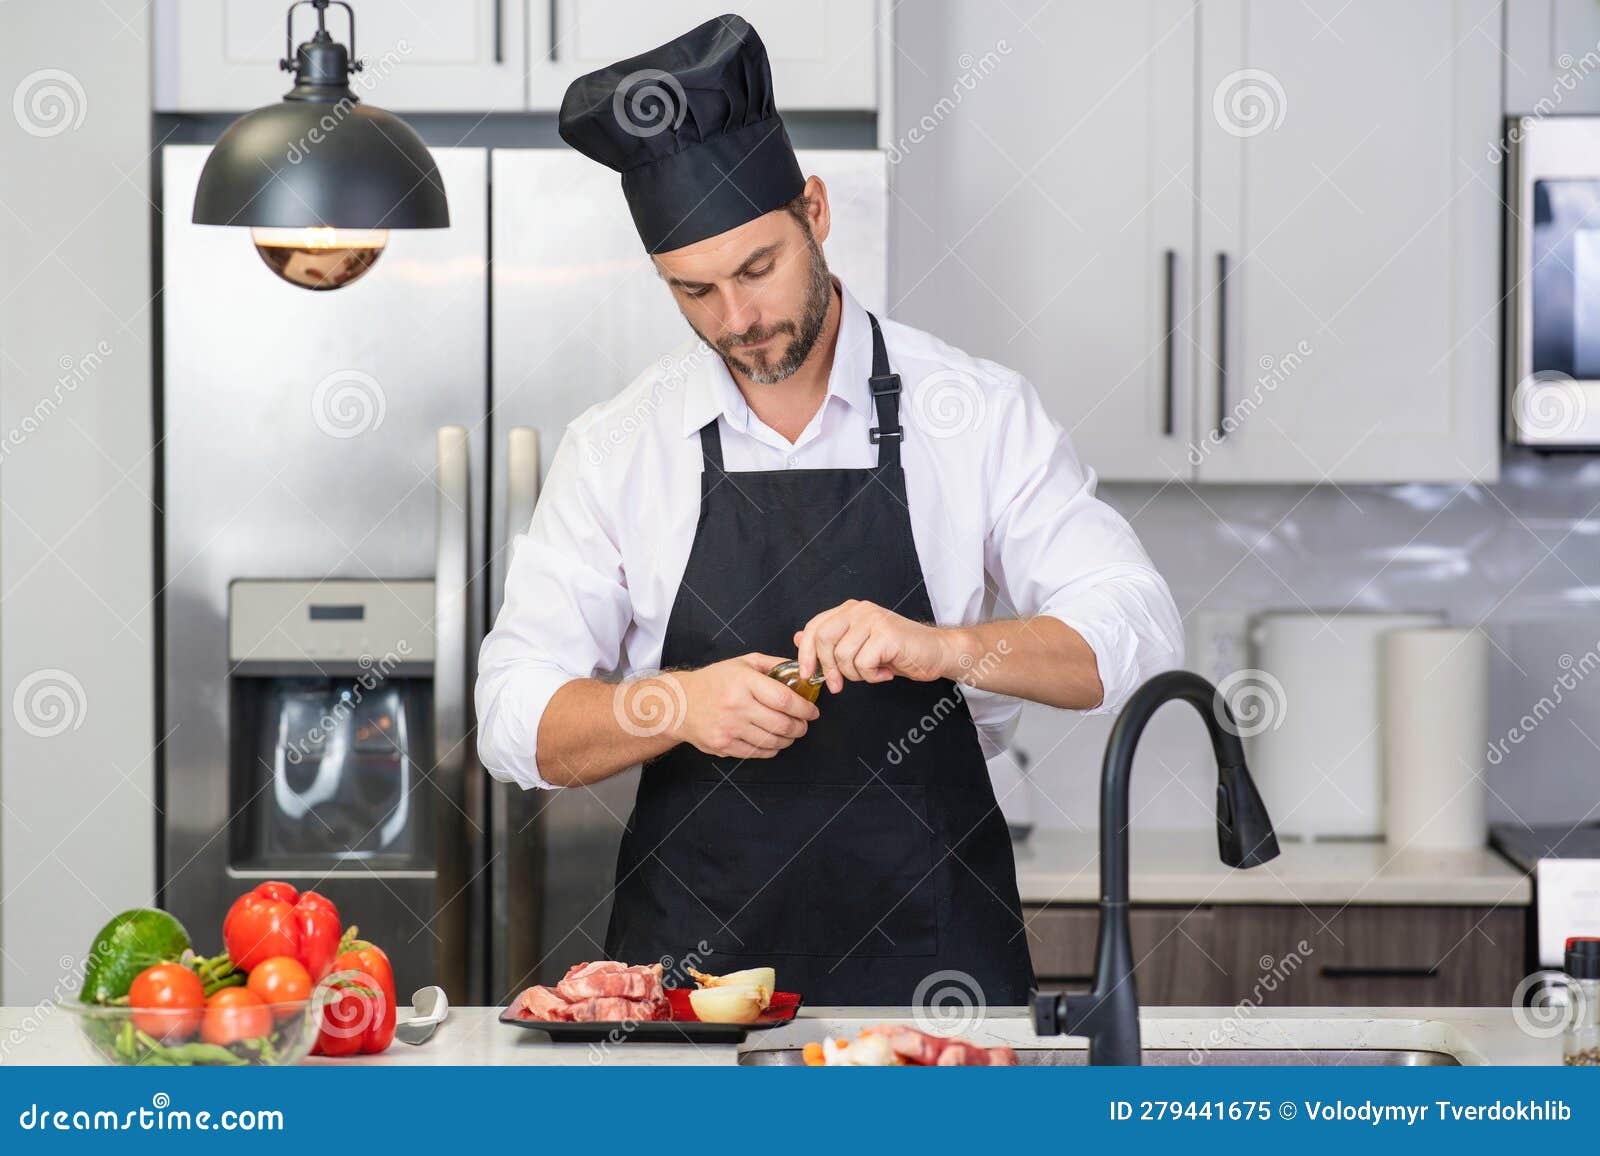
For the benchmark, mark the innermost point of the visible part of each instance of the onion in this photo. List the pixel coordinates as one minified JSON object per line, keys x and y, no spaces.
{"x":727,"y":1005}
{"x":765,"y":979}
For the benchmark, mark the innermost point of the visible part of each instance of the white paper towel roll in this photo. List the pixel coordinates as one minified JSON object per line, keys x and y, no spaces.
{"x":1435,"y":735}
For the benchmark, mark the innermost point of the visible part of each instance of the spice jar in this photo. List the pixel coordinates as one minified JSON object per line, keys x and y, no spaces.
{"x":1580,"y":1044}
{"x":788,"y":673}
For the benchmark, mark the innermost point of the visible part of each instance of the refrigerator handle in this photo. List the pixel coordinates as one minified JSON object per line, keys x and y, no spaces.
{"x":452,"y":572}
{"x":517,"y":876}
{"x":522,"y":479}
{"x":452,"y":666}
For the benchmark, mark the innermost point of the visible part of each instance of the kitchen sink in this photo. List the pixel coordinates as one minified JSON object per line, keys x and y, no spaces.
{"x":1184,"y":1057}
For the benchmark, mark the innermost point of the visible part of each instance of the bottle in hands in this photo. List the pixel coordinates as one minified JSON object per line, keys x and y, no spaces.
{"x":788,"y":673}
{"x":733,"y":709}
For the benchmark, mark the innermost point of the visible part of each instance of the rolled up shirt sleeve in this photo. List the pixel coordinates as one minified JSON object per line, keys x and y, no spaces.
{"x":565,"y":612}
{"x":1056,"y":549}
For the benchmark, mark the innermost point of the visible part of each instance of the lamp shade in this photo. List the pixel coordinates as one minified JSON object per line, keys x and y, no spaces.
{"x":314,"y":163}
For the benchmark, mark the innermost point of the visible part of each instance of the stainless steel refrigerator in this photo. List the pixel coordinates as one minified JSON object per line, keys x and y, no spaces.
{"x":343,"y":473}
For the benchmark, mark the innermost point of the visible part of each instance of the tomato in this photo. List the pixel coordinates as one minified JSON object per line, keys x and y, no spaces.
{"x":235,"y":1013}
{"x":281,"y":980}
{"x":168,"y":1001}
{"x":258,"y":927}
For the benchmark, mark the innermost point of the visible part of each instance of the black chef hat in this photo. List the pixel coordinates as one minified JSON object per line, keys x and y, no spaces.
{"x":692,"y":128}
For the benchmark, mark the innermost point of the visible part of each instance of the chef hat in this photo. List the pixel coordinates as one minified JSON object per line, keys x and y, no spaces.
{"x":693,"y":130}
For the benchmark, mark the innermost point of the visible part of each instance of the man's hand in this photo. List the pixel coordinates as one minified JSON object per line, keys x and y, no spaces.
{"x":863,"y":642}
{"x":732,"y":709}
{"x":592,"y":729}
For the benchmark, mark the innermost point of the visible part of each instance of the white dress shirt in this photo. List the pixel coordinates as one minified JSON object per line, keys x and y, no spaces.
{"x":993,"y":484}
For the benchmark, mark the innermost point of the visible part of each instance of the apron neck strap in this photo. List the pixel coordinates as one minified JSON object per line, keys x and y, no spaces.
{"x":711,"y":446}
{"x":885,"y":383}
{"x":886,"y":435}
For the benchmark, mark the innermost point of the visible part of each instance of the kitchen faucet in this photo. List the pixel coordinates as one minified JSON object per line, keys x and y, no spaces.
{"x":1109,"y":1013}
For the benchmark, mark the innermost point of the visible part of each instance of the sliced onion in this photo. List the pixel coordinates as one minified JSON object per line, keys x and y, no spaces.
{"x":763,"y":978}
{"x":727,"y":1005}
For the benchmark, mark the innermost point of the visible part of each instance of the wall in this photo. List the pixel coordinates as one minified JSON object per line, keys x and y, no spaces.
{"x":77,"y":780}
{"x":1521,"y":558}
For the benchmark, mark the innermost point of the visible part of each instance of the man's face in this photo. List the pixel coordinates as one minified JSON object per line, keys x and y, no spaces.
{"x":757,"y":294}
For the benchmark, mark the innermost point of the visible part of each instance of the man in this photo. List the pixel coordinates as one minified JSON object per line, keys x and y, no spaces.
{"x":823,"y":486}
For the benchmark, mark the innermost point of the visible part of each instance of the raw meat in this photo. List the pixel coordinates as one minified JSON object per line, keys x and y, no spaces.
{"x":603,"y":991}
{"x":915,"y":1047}
{"x":600,"y":967}
{"x":542,"y":1003}
{"x":638,"y":984}
{"x":611,"y":1008}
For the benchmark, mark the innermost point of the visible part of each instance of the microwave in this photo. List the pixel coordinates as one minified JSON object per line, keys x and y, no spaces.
{"x":1553,"y":278}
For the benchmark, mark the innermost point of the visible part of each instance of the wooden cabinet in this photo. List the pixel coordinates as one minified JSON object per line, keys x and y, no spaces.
{"x":1320,"y":174}
{"x":824,"y":54}
{"x":441,"y":56}
{"x":1373,"y":956}
{"x":1263,"y":956}
{"x":1174,"y":964}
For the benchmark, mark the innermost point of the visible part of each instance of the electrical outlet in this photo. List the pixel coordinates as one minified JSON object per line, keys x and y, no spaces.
{"x":1219,"y":642}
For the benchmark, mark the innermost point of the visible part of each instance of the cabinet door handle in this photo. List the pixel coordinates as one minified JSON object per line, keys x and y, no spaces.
{"x":1331,"y":971}
{"x":1223,"y":266}
{"x":555,"y":28}
{"x":499,"y":32}
{"x":1168,"y":346}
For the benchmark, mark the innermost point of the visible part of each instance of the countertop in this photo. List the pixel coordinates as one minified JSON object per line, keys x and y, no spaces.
{"x":45,"y":1036}
{"x":1055,"y":866}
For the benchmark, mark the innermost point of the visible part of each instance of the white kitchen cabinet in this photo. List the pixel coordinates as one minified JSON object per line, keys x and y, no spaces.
{"x":1348,"y":241}
{"x":1037,"y":199}
{"x":1044,"y":172}
{"x":1552,"y":57}
{"x":439,"y":56}
{"x":824,"y":54}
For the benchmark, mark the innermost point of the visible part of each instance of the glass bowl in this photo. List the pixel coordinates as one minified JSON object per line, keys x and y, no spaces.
{"x":146,"y":1037}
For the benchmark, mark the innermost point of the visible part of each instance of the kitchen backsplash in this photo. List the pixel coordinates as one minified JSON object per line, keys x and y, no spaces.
{"x":1521,"y":558}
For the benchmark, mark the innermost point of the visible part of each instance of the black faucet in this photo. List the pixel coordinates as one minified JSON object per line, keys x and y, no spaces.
{"x":1109,"y":1014}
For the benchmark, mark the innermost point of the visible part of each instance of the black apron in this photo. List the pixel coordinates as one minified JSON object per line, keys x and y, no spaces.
{"x":870,"y":855}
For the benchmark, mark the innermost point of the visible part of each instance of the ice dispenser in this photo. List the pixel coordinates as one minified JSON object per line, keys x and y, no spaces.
{"x":331,"y":716}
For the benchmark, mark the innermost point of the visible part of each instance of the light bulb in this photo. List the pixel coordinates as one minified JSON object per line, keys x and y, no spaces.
{"x":319,"y":257}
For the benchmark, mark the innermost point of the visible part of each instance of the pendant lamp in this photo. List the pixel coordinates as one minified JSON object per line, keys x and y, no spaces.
{"x":320,"y":178}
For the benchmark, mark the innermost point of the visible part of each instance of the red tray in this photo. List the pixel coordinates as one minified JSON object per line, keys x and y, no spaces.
{"x":684,"y":1026}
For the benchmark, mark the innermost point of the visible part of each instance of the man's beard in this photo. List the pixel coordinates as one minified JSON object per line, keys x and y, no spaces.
{"x":756,"y":367}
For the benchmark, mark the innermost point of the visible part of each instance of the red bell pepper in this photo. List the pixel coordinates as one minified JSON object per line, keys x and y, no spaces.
{"x":274,"y":919}
{"x":318,"y":920}
{"x":359,"y":1009}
